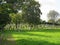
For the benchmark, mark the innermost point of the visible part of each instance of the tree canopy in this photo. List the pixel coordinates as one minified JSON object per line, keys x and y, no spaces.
{"x":52,"y":16}
{"x":30,"y":11}
{"x":5,"y":10}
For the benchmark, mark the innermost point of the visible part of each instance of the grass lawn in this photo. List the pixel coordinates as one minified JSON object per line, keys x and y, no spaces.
{"x":41,"y":37}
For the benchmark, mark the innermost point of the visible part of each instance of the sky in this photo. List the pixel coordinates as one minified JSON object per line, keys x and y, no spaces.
{"x":47,"y":5}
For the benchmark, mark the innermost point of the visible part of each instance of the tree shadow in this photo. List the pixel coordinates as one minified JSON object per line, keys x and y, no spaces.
{"x":42,"y":30}
{"x":50,"y":30}
{"x":32,"y":34}
{"x":7,"y":42}
{"x":32,"y":42}
{"x":37,"y":30}
{"x":26,"y":42}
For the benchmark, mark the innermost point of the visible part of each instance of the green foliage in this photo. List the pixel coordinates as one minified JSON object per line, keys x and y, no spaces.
{"x":52,"y":16}
{"x":16,"y":18}
{"x":4,"y":16}
{"x":51,"y":21}
{"x":4,"y":19}
{"x":5,"y":10}
{"x":58,"y":21}
{"x":31,"y":12}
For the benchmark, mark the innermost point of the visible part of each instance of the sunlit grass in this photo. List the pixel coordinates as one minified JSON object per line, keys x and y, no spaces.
{"x":36,"y":36}
{"x":51,"y":37}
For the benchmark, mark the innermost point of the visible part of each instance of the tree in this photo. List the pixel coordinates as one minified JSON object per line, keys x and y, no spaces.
{"x":31,"y":12}
{"x":52,"y":16}
{"x":16,"y":18}
{"x":4,"y":17}
{"x":51,"y":21}
{"x":58,"y":21}
{"x":5,"y":10}
{"x":30,"y":9}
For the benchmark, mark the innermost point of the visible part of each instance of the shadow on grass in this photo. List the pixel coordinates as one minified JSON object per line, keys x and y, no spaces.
{"x":11,"y":35}
{"x":31,"y":42}
{"x":8,"y":34}
{"x":32,"y":34}
{"x":6,"y":42}
{"x":26,"y":42}
{"x":37,"y":30}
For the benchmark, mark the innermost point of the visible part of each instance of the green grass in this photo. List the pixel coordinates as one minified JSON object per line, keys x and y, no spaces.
{"x":40,"y":37}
